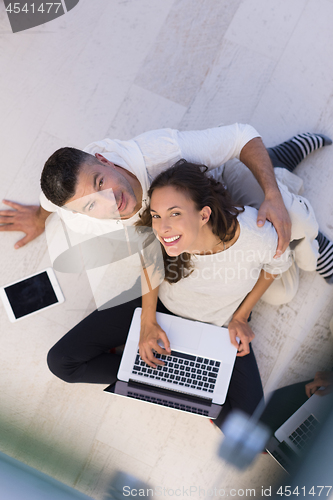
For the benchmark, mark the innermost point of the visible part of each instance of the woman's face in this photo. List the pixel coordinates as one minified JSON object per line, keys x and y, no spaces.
{"x":176,"y":221}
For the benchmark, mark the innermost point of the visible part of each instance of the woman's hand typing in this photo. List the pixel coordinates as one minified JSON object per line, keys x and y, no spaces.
{"x":150,"y":333}
{"x":239,"y":327}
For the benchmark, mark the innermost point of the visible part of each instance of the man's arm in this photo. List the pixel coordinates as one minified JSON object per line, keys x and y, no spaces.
{"x":30,"y":219}
{"x":254,"y":155}
{"x":213,"y":147}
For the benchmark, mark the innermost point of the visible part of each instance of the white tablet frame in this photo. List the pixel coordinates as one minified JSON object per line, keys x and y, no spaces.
{"x":54,"y":283}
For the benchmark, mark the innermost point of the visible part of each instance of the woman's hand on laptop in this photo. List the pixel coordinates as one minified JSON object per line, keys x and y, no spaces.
{"x":240,"y":328}
{"x":150,"y":334}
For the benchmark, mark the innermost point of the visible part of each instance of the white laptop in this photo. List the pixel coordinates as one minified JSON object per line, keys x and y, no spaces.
{"x":292,"y":438}
{"x":196,"y":375}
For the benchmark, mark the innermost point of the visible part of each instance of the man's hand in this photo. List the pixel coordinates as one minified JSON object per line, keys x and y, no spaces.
{"x":255,"y":156}
{"x":30,"y":219}
{"x":273,"y":209}
{"x":241,"y":329}
{"x":322,"y":379}
{"x":150,"y":333}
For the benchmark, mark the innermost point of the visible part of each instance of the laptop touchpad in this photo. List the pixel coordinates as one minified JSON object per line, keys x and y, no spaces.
{"x":182,"y":335}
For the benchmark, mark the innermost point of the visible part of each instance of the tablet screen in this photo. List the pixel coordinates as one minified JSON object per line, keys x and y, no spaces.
{"x":31,"y":295}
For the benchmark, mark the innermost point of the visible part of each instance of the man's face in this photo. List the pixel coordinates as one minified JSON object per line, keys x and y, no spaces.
{"x":106,"y":191}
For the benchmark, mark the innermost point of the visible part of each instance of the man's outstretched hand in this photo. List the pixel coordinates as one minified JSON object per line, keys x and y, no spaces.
{"x":273,"y":209}
{"x":30,"y":219}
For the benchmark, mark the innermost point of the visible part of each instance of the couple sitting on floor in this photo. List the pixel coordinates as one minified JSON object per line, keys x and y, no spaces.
{"x":217,"y":262}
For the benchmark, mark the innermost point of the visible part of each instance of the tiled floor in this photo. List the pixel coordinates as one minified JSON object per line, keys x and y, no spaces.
{"x":116,"y":69}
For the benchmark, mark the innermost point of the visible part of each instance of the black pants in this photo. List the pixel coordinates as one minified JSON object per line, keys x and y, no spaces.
{"x":83,"y":355}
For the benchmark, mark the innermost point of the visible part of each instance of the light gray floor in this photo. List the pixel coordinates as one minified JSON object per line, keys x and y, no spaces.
{"x":118,"y":68}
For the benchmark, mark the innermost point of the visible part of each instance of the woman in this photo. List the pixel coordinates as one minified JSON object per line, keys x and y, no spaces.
{"x":217,"y":264}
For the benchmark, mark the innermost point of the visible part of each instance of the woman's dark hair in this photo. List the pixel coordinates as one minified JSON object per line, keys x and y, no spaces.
{"x":204,"y":191}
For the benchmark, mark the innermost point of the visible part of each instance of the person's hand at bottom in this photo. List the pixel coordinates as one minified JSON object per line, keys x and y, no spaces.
{"x":322,"y":379}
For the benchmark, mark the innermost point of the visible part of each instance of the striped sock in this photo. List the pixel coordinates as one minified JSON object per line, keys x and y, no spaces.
{"x":292,"y":152}
{"x":325,"y":259}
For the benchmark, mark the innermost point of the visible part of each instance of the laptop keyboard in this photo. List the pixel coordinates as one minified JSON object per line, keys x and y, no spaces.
{"x":169,"y":404}
{"x":181,"y":369}
{"x":301,"y":435}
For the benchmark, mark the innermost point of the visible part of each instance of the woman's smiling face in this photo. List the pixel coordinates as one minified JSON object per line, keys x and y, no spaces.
{"x":176,"y":220}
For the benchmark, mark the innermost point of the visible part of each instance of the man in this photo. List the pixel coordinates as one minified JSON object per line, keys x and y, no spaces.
{"x":133,"y":162}
{"x":125,"y":169}
{"x":154,"y":151}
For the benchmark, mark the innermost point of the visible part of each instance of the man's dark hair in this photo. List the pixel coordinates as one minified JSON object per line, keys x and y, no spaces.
{"x":59,"y":176}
